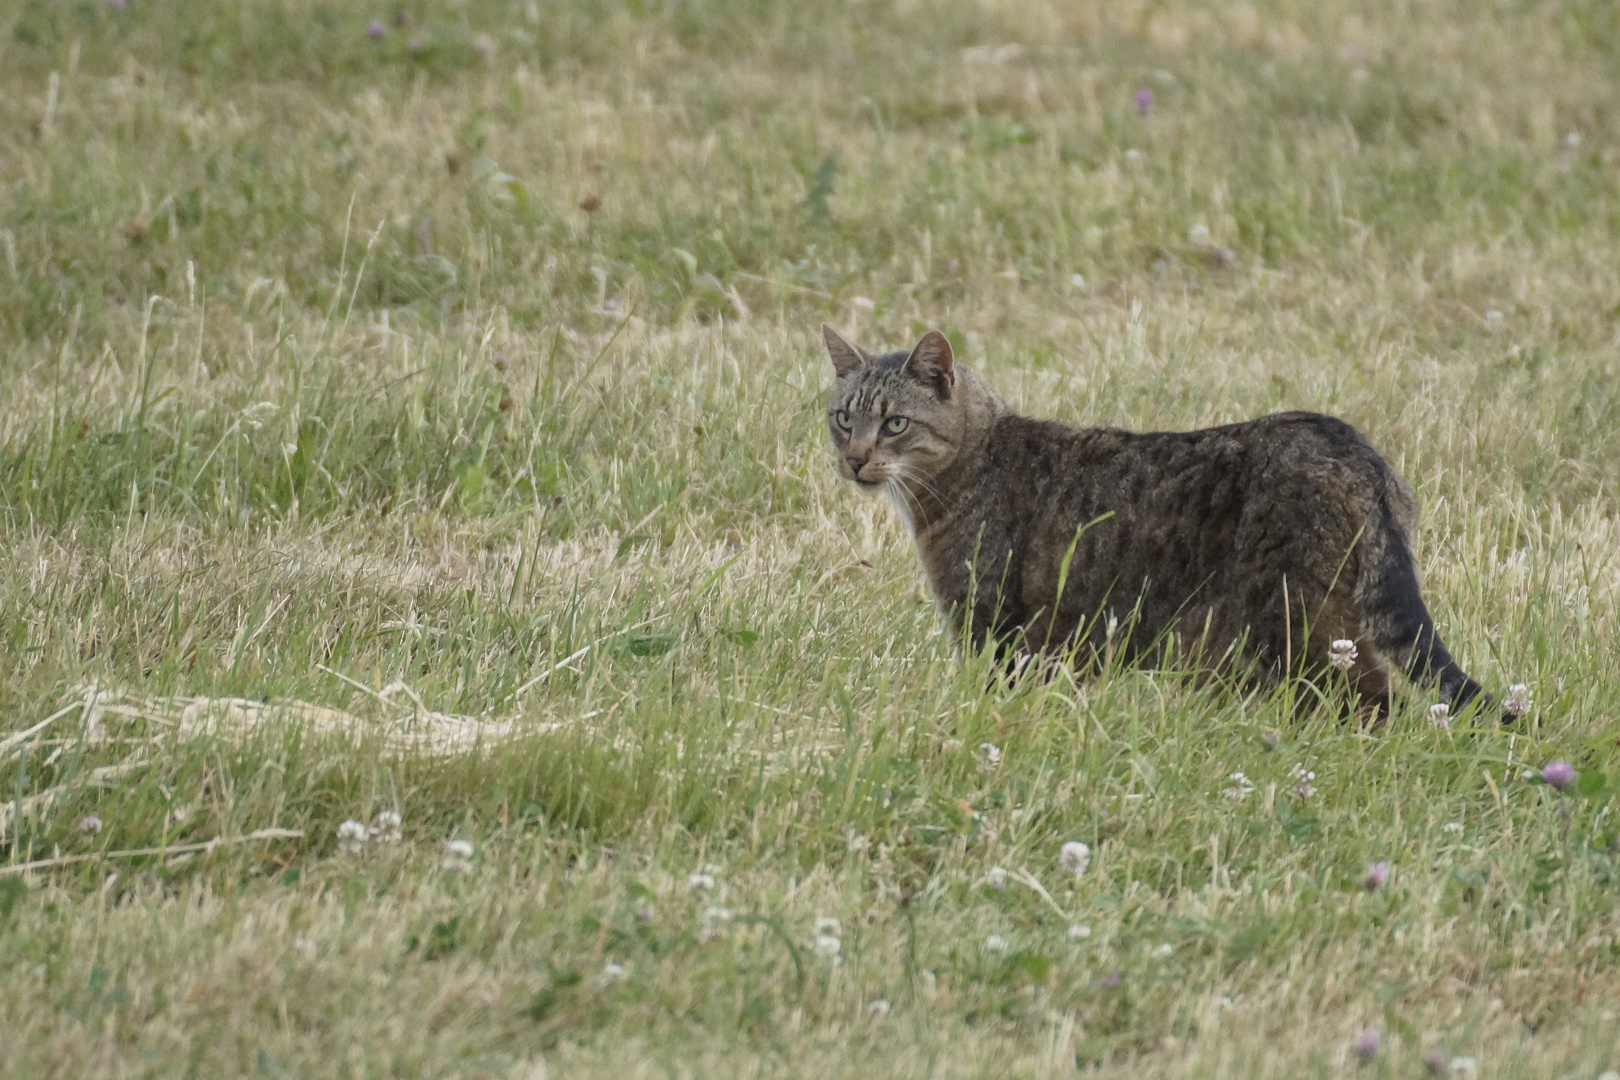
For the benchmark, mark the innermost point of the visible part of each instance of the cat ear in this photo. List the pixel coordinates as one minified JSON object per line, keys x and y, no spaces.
{"x":846,"y":358}
{"x":932,"y":363}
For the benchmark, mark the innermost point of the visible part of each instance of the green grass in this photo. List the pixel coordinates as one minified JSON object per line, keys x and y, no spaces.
{"x":318,"y":388}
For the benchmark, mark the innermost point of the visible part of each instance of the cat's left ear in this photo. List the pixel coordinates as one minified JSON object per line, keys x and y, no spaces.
{"x":932,"y":363}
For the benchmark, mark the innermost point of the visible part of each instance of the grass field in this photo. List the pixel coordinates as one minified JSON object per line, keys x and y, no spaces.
{"x":417,"y":410}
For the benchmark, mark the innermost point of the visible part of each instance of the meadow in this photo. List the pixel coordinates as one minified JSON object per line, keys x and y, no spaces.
{"x":416,"y":410}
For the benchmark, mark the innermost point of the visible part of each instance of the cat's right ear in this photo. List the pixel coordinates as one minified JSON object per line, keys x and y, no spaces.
{"x":846,"y":358}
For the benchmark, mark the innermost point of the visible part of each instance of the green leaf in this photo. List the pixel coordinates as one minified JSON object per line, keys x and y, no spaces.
{"x":1033,"y":964}
{"x":741,"y":637}
{"x":649,"y":644}
{"x":1592,"y":785}
{"x":1246,"y":942}
{"x":11,"y":890}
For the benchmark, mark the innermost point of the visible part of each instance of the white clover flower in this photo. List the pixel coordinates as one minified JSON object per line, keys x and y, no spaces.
{"x":1440,"y":715}
{"x":881,"y":1007}
{"x":1162,"y":951}
{"x":996,"y":878}
{"x":304,"y":946}
{"x":1199,"y":235}
{"x":1079,"y":932}
{"x":1342,"y":654}
{"x":385,"y":827}
{"x":828,"y":945}
{"x":351,"y":837}
{"x":989,"y":758}
{"x":1463,"y":1066}
{"x":712,"y":923}
{"x":1493,"y":317}
{"x":1133,"y":155}
{"x":995,"y":943}
{"x":457,"y":855}
{"x":699,"y":880}
{"x":179,"y":815}
{"x":612,"y":971}
{"x":90,"y":824}
{"x":1075,"y":857}
{"x":1572,"y":140}
{"x":1078,"y":281}
{"x":1517,"y":700}
{"x":1452,"y":827}
{"x":1302,"y":777}
{"x":827,"y":924}
{"x":1241,"y":787}
{"x":857,"y":842}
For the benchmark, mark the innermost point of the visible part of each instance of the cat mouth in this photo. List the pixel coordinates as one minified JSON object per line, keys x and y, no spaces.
{"x":867,"y":485}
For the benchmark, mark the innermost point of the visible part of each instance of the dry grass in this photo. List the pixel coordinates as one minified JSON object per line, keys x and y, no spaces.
{"x":349,"y":465}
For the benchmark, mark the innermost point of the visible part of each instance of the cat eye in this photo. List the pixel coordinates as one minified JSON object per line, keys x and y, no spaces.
{"x":841,"y":418}
{"x":894,"y":425}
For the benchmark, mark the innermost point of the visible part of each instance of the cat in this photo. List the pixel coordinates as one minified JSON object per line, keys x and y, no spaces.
{"x":1278,"y":545}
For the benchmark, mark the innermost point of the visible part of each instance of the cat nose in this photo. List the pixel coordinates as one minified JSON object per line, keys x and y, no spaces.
{"x":856,"y":463}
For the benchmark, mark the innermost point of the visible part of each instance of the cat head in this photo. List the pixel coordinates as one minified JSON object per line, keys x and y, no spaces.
{"x":894,"y":417}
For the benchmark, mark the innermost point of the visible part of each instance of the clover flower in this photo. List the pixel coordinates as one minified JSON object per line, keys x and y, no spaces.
{"x":1463,"y":1066}
{"x":1144,"y":101}
{"x":879,"y":1007}
{"x":1376,"y":875}
{"x":699,"y":880}
{"x":1342,"y":654}
{"x":457,"y":855}
{"x":996,"y":878}
{"x":1075,"y":857}
{"x":828,"y":945}
{"x":1517,"y":700}
{"x":90,"y":824}
{"x":1452,"y":827}
{"x":1440,"y":715}
{"x":351,"y":837}
{"x":1079,"y":931}
{"x":376,"y":31}
{"x":995,"y":943}
{"x":1367,"y":1045}
{"x":1240,"y":788}
{"x":1198,"y":235}
{"x":1162,"y":951}
{"x":712,"y":922}
{"x":1302,"y":777}
{"x":827,"y":924}
{"x":1560,"y":774}
{"x":385,"y":827}
{"x":989,"y":758}
{"x":612,"y":972}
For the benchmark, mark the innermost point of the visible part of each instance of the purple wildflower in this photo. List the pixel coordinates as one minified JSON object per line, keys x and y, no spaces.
{"x":1109,"y":981}
{"x":1560,"y":774}
{"x":1366,"y":1047}
{"x":116,"y":5}
{"x":1144,"y":101}
{"x":376,"y":31}
{"x":1377,"y":874}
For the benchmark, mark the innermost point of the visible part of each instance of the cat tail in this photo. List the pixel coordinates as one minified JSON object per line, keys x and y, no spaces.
{"x":1393,"y":616}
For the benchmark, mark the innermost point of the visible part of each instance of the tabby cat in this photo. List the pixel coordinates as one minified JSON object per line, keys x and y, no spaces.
{"x":1260,"y":544}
